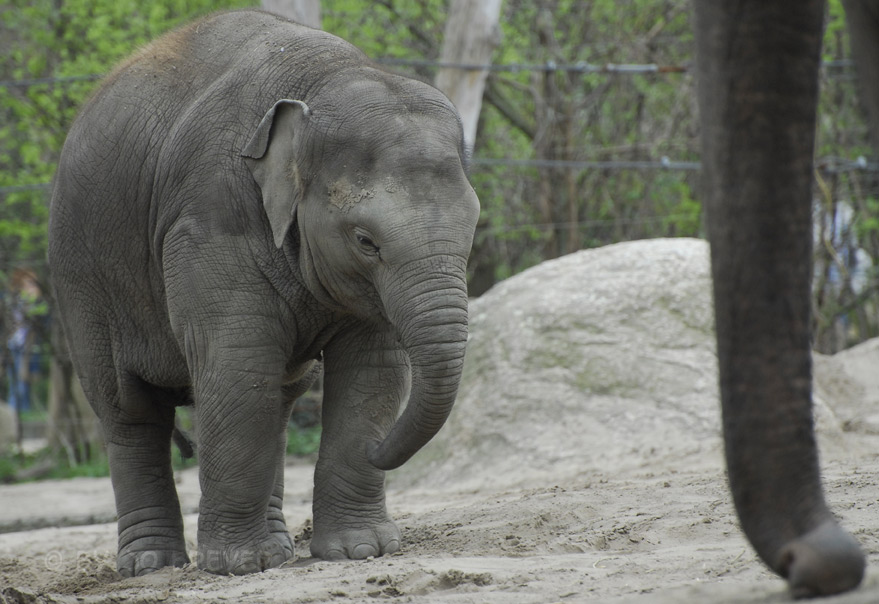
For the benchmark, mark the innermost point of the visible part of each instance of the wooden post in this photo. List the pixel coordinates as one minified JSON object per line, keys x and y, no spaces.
{"x":306,"y":12}
{"x":471,"y":35}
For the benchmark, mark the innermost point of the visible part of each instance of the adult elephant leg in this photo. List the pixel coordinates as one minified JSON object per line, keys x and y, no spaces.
{"x":237,"y":391}
{"x":367,"y":377}
{"x":138,"y":437}
{"x":758,"y":90}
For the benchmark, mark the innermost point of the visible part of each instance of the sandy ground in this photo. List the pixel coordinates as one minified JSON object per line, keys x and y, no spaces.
{"x":655,"y":534}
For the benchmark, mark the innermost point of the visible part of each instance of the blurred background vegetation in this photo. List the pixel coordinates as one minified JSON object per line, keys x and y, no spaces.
{"x":564,"y":158}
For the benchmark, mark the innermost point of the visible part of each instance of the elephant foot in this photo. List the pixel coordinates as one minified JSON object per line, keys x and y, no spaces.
{"x":824,"y":561}
{"x":277,"y":527}
{"x":336,"y":542}
{"x":136,"y":563}
{"x":283,"y":537}
{"x":251,"y":557}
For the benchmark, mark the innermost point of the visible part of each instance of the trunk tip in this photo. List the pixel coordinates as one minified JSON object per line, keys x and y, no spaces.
{"x":377,"y":454}
{"x":823,"y":562}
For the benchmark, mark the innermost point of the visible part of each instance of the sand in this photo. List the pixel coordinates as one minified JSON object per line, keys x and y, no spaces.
{"x":658,"y":535}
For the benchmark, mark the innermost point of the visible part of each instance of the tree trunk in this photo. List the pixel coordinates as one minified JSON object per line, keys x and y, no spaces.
{"x":470,"y":37}
{"x":862,"y":17}
{"x":306,"y":12}
{"x":554,"y":113}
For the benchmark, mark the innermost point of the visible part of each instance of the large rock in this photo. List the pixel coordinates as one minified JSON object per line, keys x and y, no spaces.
{"x":847,"y":400}
{"x":598,"y":362}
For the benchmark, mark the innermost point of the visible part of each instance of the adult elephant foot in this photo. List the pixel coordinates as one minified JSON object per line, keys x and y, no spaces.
{"x":132,"y":563}
{"x":253,"y":556}
{"x":824,"y":561}
{"x":334,"y":541}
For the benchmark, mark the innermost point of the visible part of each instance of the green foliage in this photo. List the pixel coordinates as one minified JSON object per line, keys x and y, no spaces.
{"x":303,"y":442}
{"x":49,"y":464}
{"x":846,"y":310}
{"x":52,"y":39}
{"x":834,"y":30}
{"x":388,"y":28}
{"x":58,"y":465}
{"x":45,"y":463}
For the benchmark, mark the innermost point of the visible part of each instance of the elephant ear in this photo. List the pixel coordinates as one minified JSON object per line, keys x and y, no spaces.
{"x":272,"y":157}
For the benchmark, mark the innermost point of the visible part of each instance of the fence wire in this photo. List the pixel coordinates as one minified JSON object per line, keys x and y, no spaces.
{"x":826,"y":165}
{"x":580,"y":67}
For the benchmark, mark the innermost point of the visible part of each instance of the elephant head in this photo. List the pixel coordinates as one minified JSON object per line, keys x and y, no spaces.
{"x":371,"y":173}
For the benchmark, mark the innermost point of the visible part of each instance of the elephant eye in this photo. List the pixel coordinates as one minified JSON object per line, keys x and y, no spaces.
{"x":367,"y":244}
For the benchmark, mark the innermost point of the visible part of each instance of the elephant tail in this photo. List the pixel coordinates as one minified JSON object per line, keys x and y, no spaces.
{"x":184,"y":442}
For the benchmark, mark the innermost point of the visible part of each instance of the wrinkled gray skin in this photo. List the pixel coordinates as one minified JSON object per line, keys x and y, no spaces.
{"x":240,"y":199}
{"x":758,"y":65}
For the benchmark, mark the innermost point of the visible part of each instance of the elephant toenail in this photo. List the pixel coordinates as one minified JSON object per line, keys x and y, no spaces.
{"x":364,"y":550}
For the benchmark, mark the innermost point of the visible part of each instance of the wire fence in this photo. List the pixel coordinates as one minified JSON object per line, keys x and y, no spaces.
{"x":827,"y":165}
{"x":580,"y":67}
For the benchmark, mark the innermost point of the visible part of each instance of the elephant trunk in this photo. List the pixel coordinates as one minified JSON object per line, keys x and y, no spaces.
{"x":432,"y":325}
{"x":758,"y":140}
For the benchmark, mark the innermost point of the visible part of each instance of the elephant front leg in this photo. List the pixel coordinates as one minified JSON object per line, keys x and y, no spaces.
{"x":367,"y":376}
{"x":240,"y":427}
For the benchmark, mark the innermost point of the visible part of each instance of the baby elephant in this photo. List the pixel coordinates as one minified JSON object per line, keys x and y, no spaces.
{"x":244,"y":198}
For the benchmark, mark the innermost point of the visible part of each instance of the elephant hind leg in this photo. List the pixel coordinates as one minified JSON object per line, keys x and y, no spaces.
{"x":138,"y":433}
{"x":275,"y":521}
